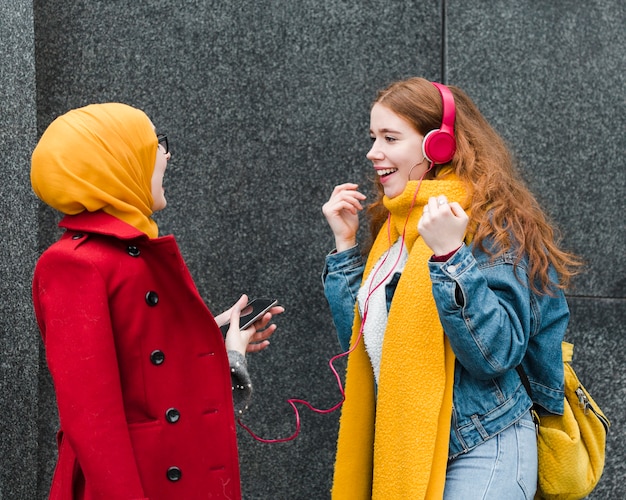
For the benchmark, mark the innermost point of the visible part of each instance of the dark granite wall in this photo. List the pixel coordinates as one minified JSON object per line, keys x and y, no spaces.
{"x":266,"y":104}
{"x":19,"y":348}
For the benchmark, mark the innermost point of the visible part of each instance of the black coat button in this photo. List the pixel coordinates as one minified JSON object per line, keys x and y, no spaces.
{"x":152,"y":298}
{"x":174,"y":474}
{"x":157,"y":357}
{"x":133,"y":251}
{"x":172,"y":415}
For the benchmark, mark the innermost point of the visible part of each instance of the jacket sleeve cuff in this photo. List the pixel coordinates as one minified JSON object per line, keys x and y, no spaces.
{"x":241,"y":382}
{"x":446,"y":257}
{"x":340,"y":261}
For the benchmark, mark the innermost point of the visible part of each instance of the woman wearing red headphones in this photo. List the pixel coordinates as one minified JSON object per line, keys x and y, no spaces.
{"x":462,"y":282}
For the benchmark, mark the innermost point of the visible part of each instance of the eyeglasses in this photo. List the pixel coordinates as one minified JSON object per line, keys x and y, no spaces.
{"x":162,"y":140}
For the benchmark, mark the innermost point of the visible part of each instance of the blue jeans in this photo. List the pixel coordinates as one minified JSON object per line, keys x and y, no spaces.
{"x":503,"y":467}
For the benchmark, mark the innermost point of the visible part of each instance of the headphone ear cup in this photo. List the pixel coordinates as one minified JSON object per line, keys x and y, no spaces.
{"x":439,"y":146}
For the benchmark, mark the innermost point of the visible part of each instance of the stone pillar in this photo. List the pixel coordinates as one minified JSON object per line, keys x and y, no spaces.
{"x":19,"y":346}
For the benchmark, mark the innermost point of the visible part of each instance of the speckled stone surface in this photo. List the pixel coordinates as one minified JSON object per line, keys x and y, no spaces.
{"x":265,"y":105}
{"x":19,"y":343}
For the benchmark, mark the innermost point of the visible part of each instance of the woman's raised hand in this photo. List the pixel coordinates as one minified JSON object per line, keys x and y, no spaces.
{"x":443,"y":225}
{"x":342,"y":214}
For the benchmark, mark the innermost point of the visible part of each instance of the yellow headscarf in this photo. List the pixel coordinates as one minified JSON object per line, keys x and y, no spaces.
{"x":99,"y":157}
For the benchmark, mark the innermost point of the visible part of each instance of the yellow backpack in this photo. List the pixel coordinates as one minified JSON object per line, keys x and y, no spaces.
{"x":571,"y":446}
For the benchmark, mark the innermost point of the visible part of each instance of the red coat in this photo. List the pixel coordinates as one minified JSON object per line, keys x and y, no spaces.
{"x":139,"y":366}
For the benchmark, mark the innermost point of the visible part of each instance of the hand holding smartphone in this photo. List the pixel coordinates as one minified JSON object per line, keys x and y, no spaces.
{"x":259,"y":307}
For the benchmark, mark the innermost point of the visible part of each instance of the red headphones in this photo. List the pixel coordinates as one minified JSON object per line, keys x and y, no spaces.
{"x":439,"y":144}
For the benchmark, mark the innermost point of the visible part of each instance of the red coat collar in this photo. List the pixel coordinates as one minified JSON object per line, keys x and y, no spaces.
{"x":101,"y":223}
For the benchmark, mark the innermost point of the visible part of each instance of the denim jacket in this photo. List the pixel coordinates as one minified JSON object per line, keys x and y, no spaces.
{"x":494,"y":322}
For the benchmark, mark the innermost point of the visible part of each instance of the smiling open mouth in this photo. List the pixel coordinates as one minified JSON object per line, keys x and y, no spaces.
{"x":386,"y":171}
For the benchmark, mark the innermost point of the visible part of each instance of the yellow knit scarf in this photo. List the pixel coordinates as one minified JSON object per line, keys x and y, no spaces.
{"x":395,"y":445}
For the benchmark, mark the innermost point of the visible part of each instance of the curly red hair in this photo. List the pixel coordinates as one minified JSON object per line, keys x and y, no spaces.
{"x":502,"y":207}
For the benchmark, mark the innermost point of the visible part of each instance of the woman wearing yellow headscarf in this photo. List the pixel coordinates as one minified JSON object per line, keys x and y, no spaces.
{"x":141,"y":372}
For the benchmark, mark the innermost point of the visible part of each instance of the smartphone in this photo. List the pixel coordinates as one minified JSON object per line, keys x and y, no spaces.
{"x":254,"y":310}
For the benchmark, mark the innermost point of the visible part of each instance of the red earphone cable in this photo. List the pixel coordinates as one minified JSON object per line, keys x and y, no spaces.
{"x":293,"y":401}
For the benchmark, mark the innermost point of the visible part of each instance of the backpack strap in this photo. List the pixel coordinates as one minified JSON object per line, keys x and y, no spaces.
{"x":526,"y":383}
{"x":522,"y":375}
{"x":567,"y":350}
